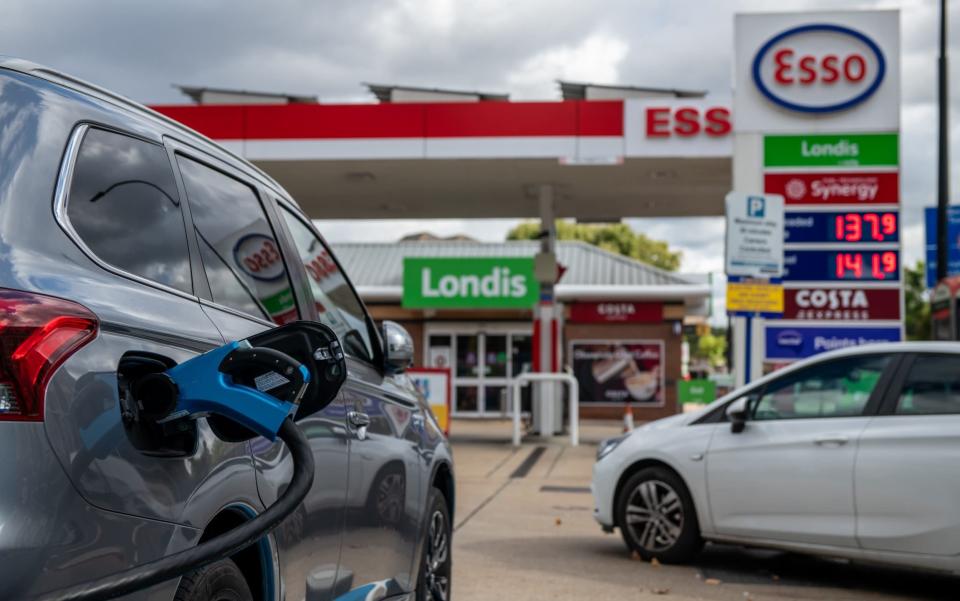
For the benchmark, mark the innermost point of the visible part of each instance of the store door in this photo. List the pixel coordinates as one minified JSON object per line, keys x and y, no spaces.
{"x":483,"y":365}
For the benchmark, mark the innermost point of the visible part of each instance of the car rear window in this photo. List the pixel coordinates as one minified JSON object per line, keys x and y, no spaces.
{"x":124,"y":205}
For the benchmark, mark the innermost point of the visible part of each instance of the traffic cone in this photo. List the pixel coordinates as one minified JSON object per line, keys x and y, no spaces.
{"x":627,"y":418}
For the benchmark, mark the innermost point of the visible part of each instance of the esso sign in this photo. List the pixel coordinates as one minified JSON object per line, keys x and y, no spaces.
{"x":687,"y":121}
{"x":818,"y":68}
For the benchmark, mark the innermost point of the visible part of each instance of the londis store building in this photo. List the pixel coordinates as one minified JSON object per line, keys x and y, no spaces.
{"x":469,"y":307}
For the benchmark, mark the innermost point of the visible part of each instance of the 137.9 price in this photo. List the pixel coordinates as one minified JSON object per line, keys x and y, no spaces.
{"x":865,"y":227}
{"x":874,"y":265}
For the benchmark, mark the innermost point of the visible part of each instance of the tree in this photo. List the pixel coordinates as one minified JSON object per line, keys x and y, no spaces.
{"x":615,"y":237}
{"x":713,"y":348}
{"x":916,"y":302}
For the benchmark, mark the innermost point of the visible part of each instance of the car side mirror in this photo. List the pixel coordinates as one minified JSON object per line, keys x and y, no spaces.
{"x":397,"y":347}
{"x":737,"y":414}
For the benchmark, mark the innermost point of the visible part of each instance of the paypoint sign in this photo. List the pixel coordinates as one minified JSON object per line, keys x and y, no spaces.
{"x":469,"y":283}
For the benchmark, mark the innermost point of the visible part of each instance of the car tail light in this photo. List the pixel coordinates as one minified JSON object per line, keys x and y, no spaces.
{"x":37,"y":334}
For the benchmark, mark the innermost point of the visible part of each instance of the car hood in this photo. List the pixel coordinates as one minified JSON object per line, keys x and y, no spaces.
{"x":674,"y":421}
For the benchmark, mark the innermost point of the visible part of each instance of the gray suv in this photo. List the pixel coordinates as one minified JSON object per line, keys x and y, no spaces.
{"x":126,"y":239}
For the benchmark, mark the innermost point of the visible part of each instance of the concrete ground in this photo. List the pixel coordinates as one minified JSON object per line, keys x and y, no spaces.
{"x":533,"y":536}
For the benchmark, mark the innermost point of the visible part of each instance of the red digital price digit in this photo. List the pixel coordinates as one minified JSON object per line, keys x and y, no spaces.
{"x":849,"y":262}
{"x":882,"y":264}
{"x":889,"y":221}
{"x":874,"y":222}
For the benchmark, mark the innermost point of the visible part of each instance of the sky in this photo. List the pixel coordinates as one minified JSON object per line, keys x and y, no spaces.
{"x":520,"y":47}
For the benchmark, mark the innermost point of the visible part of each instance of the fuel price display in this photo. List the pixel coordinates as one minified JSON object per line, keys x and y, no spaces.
{"x":842,"y":226}
{"x":842,"y":265}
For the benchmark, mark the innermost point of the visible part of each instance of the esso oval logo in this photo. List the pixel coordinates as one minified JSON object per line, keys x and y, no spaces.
{"x":257,"y":256}
{"x":818,"y":68}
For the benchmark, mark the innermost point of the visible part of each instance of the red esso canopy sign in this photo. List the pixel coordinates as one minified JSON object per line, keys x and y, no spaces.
{"x":818,"y":68}
{"x":687,"y":121}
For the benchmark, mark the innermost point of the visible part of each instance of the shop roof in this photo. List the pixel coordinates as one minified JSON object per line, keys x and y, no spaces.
{"x":376,"y":269}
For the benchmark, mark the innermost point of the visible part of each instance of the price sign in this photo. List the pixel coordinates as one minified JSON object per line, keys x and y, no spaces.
{"x":831,"y":265}
{"x":843,"y":226}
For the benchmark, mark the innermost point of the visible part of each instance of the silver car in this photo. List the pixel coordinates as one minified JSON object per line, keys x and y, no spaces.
{"x":852,"y":453}
{"x":128,"y":241}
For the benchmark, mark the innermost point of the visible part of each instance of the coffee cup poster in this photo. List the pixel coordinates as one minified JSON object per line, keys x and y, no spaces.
{"x":619,"y":371}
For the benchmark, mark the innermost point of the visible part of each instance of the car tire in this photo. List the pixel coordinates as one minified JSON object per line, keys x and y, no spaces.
{"x":433,"y":582}
{"x":657,"y":518}
{"x":219,"y":581}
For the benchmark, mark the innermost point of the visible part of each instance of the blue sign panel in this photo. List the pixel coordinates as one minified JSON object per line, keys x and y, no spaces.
{"x":841,"y":265}
{"x":790,"y":342}
{"x":953,"y":237}
{"x":842,"y":226}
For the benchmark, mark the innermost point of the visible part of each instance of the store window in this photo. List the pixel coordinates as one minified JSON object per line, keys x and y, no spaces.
{"x":932,"y":386}
{"x":337,"y":305}
{"x":838,"y":388}
{"x":124,"y":206}
{"x":241,"y":258}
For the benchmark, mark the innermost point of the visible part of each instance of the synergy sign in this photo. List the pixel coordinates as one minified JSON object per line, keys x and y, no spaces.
{"x":469,"y":283}
{"x":818,"y":68}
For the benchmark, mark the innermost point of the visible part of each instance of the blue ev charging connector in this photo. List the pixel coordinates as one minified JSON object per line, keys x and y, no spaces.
{"x":261,"y":383}
{"x":208,"y":385}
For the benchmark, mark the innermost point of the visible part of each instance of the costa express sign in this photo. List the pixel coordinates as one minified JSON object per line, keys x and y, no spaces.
{"x":842,"y":304}
{"x":616,"y":311}
{"x":818,"y":68}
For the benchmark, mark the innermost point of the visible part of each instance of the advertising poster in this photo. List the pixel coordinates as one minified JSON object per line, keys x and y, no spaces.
{"x":619,"y":371}
{"x":434,"y":385}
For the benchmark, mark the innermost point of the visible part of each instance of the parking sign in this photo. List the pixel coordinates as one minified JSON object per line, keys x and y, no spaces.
{"x":754,"y":235}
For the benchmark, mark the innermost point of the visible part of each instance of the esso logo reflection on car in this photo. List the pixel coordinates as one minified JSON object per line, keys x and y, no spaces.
{"x":257,"y":255}
{"x":818,"y":68}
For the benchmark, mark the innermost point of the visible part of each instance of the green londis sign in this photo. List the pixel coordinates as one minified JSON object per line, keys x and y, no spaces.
{"x":831,"y":150}
{"x":469,"y":283}
{"x":696,"y":391}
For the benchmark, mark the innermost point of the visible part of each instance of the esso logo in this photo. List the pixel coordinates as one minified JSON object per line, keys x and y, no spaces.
{"x":257,"y":256}
{"x":790,"y":338}
{"x":818,"y":68}
{"x":687,"y":121}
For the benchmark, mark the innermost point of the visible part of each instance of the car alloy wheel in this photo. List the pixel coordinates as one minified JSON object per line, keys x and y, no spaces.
{"x":437,"y":567}
{"x":654,"y":515}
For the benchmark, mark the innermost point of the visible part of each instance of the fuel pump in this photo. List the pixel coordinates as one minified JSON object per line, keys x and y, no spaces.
{"x":260,"y":385}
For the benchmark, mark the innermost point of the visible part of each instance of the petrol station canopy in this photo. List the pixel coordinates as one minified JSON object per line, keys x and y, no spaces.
{"x":650,"y":153}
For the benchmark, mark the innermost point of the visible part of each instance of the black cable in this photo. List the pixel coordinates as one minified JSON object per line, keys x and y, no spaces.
{"x":172,"y":566}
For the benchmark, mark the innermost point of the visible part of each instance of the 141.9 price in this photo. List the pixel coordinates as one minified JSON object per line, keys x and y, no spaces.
{"x":865,"y":265}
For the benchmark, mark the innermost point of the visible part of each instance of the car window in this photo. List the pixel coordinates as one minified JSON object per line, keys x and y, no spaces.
{"x":240,"y":255}
{"x":839,"y":388}
{"x":932,"y":386}
{"x":124,"y":206}
{"x":337,"y":305}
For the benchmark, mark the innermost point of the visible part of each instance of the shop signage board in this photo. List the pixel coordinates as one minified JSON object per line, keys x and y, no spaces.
{"x":754,"y":240}
{"x":435,"y":386}
{"x":831,"y":150}
{"x":953,"y":237}
{"x":469,"y":283}
{"x":619,"y":371}
{"x":844,"y":304}
{"x":696,"y":391}
{"x":842,"y":227}
{"x":799,"y":342}
{"x":835,"y":187}
{"x":616,"y":312}
{"x":750,"y":297}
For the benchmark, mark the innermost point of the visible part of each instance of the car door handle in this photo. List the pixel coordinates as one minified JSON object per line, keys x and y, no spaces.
{"x":359,"y":422}
{"x":831,"y":440}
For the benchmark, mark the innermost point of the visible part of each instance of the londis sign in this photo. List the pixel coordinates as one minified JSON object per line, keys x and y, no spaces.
{"x":819,"y":68}
{"x":469,"y":283}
